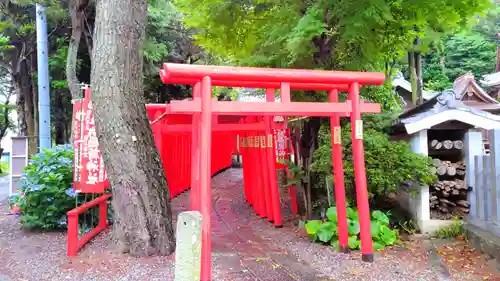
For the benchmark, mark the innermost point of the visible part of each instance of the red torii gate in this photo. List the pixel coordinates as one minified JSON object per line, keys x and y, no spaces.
{"x":202,"y":108}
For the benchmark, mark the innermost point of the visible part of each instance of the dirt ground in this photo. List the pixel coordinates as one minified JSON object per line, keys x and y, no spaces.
{"x":244,"y":248}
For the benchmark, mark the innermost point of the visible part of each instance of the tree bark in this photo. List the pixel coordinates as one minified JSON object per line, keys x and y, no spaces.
{"x":76,"y":10}
{"x":23,"y":83}
{"x":413,"y":77}
{"x":59,"y":120}
{"x":140,"y":193}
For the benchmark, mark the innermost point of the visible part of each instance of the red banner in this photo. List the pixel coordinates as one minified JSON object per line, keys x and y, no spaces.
{"x":78,"y":115}
{"x":92,"y":175}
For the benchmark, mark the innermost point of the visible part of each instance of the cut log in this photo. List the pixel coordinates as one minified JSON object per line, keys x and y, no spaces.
{"x":458,"y":144}
{"x":433,"y":198}
{"x":441,"y":170}
{"x":447,"y":202}
{"x":437,"y":162}
{"x":443,"y":209}
{"x":439,"y":145}
{"x":463,"y":203}
{"x":451,"y":171}
{"x":448,"y":144}
{"x":434,"y":143}
{"x":465,"y":210}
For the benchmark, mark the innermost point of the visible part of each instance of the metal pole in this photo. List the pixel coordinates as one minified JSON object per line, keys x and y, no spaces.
{"x":43,"y":79}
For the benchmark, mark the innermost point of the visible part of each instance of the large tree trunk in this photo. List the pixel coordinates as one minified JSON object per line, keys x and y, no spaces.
{"x":77,"y":14}
{"x":24,"y":87}
{"x":76,"y":10}
{"x":140,"y":194}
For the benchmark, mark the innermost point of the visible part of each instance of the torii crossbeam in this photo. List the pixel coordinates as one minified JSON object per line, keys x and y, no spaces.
{"x":203,"y":108}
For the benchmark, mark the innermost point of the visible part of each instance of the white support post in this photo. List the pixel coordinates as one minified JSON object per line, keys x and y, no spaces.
{"x":419,"y":203}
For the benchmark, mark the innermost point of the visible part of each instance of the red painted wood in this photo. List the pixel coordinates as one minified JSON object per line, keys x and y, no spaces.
{"x":75,"y":243}
{"x":263,"y":109}
{"x":205,"y":179}
{"x":338,"y":172}
{"x":271,"y":160}
{"x":256,"y":84}
{"x":192,"y":71}
{"x":180,"y":108}
{"x":358,"y":157}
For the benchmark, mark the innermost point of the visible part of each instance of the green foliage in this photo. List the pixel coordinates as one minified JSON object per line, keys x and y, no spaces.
{"x":4,"y":168}
{"x":460,"y":53}
{"x":327,"y":231}
{"x":388,"y":163}
{"x":455,"y":230}
{"x":469,"y":50}
{"x":46,"y":192}
{"x":321,"y":34}
{"x":57,"y":64}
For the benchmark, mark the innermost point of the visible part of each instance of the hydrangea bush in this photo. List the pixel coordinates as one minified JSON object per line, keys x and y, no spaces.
{"x":46,"y":189}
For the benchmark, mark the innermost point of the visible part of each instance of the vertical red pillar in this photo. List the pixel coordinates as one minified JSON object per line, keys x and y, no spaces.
{"x":205,"y":178}
{"x":338,"y":168}
{"x":271,"y":160}
{"x":360,"y":175}
{"x":260,"y":183}
{"x":195,"y":153}
{"x":72,"y":234}
{"x":241,"y":149}
{"x":265,"y":174}
{"x":251,"y":175}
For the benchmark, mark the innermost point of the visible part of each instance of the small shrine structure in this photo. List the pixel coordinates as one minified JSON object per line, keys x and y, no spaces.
{"x":441,"y":128}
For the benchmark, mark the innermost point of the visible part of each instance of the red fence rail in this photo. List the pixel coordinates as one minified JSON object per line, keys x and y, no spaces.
{"x":74,"y":242}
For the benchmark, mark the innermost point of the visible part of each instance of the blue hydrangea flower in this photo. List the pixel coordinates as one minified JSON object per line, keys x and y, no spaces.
{"x":70,"y":192}
{"x":34,"y":188}
{"x":63,"y":221}
{"x":13,"y":196}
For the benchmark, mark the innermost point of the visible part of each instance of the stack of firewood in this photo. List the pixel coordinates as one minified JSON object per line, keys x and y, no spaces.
{"x":446,"y":168}
{"x":449,"y":194}
{"x":447,"y":144}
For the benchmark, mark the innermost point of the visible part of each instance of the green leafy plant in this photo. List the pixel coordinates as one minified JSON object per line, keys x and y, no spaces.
{"x":455,"y":230}
{"x":327,"y":231}
{"x":389,"y":164}
{"x":46,"y":192}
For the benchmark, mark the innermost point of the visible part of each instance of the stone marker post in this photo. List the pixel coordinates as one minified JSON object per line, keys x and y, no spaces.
{"x":188,"y":247}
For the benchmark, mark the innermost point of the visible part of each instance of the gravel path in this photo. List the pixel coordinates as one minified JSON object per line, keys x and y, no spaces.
{"x":245,"y":248}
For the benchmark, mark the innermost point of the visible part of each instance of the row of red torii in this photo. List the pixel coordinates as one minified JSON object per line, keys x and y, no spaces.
{"x":202,"y":117}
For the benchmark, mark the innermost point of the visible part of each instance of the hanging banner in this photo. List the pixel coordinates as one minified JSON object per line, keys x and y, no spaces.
{"x":78,"y":117}
{"x":280,"y":140}
{"x":93,"y":177}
